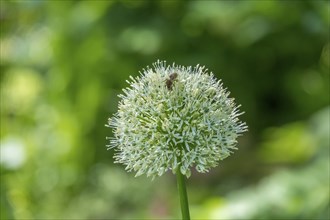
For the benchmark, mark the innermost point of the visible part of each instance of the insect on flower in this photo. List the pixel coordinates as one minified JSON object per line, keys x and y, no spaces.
{"x":170,"y":81}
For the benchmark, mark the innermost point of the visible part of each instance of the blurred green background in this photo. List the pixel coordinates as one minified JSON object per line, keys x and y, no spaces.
{"x":63,"y":63}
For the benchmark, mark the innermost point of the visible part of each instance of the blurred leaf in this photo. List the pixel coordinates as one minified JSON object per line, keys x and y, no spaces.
{"x":291,"y":143}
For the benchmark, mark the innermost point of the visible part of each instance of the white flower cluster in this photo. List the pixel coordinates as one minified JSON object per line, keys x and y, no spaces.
{"x":174,"y":118}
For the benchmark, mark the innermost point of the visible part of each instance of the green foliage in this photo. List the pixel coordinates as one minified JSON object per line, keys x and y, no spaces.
{"x":64,"y":62}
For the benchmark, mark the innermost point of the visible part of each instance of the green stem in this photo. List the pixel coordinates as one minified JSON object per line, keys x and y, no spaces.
{"x":183,"y":195}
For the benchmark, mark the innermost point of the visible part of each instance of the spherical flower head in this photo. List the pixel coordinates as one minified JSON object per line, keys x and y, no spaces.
{"x":174,"y":118}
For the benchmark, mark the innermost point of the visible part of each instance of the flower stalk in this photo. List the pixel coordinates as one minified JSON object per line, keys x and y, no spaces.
{"x":183,"y":195}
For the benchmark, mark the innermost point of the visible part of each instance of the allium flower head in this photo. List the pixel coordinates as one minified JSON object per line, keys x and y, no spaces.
{"x":174,"y":118}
